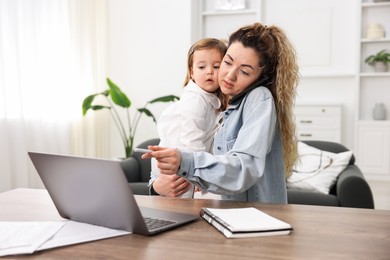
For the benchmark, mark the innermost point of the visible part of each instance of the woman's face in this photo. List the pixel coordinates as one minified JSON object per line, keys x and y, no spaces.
{"x":239,"y":69}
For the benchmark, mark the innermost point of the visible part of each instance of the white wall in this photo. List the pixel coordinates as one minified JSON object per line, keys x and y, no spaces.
{"x":336,"y":90}
{"x":324,"y":34}
{"x":147,"y":48}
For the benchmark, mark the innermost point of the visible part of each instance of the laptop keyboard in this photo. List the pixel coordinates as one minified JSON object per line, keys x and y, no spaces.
{"x":155,"y":223}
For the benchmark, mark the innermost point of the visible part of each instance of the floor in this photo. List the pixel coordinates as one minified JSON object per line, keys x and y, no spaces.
{"x":381,"y":192}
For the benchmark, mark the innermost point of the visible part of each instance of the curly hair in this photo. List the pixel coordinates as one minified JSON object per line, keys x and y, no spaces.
{"x":280,"y":74}
{"x":207,"y":44}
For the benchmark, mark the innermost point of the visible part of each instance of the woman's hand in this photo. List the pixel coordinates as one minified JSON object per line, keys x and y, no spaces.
{"x":168,"y":163}
{"x":170,"y":185}
{"x":168,"y":159}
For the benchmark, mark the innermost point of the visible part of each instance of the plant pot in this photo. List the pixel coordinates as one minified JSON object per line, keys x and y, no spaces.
{"x":381,"y":66}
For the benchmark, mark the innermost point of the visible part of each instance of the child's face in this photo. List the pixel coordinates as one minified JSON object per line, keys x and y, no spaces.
{"x":205,"y":68}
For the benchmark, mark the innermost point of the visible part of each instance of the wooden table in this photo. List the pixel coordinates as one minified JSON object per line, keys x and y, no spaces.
{"x":319,"y":232}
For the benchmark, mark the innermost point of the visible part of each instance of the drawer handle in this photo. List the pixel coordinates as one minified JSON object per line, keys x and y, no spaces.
{"x":306,"y":135}
{"x":306,"y":121}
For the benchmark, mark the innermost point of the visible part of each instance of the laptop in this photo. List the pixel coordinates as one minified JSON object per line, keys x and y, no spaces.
{"x":96,"y":191}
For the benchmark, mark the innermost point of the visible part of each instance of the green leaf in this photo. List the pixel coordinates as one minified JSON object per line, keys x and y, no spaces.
{"x":147,"y":112}
{"x":98,"y":107}
{"x":169,"y":98}
{"x":117,"y":96}
{"x":87,"y":103}
{"x":114,"y":94}
{"x":382,"y":56}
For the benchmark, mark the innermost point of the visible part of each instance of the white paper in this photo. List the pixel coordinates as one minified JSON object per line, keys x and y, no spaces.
{"x":76,"y":232}
{"x":25,"y":237}
{"x":28,"y":237}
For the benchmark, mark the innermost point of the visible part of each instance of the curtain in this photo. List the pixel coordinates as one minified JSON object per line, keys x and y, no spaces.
{"x":52,"y":55}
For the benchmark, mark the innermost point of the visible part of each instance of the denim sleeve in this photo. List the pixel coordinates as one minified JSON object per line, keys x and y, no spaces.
{"x":186,"y":169}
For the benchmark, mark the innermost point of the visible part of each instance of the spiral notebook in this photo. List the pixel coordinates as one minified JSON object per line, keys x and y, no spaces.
{"x":244,"y":222}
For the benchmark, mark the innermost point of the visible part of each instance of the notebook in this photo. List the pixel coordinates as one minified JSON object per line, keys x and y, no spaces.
{"x":244,"y":222}
{"x":96,"y":191}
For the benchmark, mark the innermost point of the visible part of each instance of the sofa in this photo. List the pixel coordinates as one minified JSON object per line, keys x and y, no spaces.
{"x":137,"y":170}
{"x":350,"y":190}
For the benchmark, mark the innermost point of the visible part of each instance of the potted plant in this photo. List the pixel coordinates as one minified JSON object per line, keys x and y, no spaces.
{"x":380,"y":61}
{"x":115,"y":96}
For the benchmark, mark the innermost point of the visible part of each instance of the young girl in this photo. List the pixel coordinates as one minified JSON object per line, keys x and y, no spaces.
{"x":190,"y":123}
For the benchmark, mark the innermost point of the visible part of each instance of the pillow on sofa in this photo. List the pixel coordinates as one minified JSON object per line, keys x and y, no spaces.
{"x":317,"y":170}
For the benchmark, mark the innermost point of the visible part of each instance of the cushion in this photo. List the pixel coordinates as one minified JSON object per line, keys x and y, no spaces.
{"x":317,"y":170}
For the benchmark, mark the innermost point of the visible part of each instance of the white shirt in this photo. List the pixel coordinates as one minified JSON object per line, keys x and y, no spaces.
{"x":191,"y":122}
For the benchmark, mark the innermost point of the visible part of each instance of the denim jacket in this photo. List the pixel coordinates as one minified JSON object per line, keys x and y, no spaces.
{"x":247,"y":164}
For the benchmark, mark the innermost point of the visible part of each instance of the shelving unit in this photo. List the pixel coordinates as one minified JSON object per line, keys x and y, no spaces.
{"x":373,"y":137}
{"x":373,"y":13}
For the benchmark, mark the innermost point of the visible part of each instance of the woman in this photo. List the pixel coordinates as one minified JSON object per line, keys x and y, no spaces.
{"x":255,"y":148}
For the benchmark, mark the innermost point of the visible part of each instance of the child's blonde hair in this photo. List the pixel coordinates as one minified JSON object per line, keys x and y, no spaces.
{"x":206,"y":44}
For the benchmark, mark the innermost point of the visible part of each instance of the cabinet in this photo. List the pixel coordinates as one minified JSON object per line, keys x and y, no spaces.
{"x":318,"y":122}
{"x":374,"y":149}
{"x":373,"y":137}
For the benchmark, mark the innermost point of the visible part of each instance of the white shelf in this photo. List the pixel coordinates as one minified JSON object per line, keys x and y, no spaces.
{"x":327,"y":75}
{"x":221,"y":13}
{"x":366,"y":40}
{"x":374,"y":74}
{"x":381,"y":4}
{"x":374,"y":122}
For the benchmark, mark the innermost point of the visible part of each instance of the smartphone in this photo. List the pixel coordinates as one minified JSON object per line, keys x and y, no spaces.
{"x":141,"y":150}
